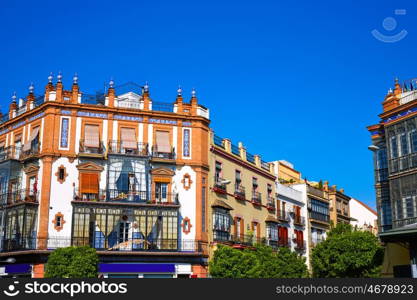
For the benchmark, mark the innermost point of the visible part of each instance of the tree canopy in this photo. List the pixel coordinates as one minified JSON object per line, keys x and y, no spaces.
{"x":72,"y":262}
{"x":347,"y":252}
{"x":258,"y":262}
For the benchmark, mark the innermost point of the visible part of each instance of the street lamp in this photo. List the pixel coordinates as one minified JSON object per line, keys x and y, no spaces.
{"x":10,"y":260}
{"x":373,"y":148}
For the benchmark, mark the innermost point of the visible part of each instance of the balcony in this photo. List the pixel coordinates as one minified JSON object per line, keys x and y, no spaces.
{"x":18,"y":243}
{"x":33,"y":152}
{"x":19,"y":196}
{"x":403,"y":222}
{"x":11,"y":152}
{"x":136,"y":197}
{"x":239,"y":192}
{"x":145,"y":244}
{"x":256,"y":198}
{"x":130,"y":149}
{"x":317,"y":192}
{"x":246,"y":240}
{"x":300,"y":245}
{"x":88,"y":151}
{"x":283,"y":216}
{"x":220,"y":185}
{"x":319,"y":217}
{"x":299,"y":220}
{"x":162,"y":156}
{"x":270,"y":203}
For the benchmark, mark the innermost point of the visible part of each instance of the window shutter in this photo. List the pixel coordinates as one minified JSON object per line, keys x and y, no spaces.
{"x":33,"y":135}
{"x":89,"y":183}
{"x":92,"y":136}
{"x":162,"y":141}
{"x":128,"y":138}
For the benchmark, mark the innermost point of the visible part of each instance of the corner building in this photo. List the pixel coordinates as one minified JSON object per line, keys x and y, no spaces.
{"x":113,"y":170}
{"x":394,"y":144}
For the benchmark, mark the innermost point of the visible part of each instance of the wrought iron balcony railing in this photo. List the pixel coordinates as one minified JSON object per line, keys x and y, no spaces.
{"x":10,"y":152}
{"x":256,"y":198}
{"x":19,"y":196}
{"x":270,"y":203}
{"x":299,"y":220}
{"x":219,"y":185}
{"x":300,"y":245}
{"x":163,"y":155}
{"x":239,"y":191}
{"x":128,"y":148}
{"x":125,"y":196}
{"x":33,"y":151}
{"x":101,"y":243}
{"x":319,"y":216}
{"x":84,"y":149}
{"x":283,"y":216}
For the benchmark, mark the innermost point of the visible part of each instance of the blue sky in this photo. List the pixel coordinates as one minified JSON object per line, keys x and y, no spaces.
{"x":295,"y":81}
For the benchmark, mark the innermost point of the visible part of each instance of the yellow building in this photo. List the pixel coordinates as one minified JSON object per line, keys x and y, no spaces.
{"x":242,"y":201}
{"x":339,"y":207}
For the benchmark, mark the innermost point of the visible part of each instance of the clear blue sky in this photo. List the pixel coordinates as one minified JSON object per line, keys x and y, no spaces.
{"x":295,"y":81}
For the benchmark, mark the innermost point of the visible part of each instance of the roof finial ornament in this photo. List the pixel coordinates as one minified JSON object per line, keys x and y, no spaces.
{"x":50,"y":78}
{"x":31,"y":88}
{"x":179,"y":91}
{"x":146,"y":87}
{"x":75,"y":78}
{"x":111,"y":83}
{"x":14,"y":97}
{"x":59,"y":77}
{"x":193,"y":93}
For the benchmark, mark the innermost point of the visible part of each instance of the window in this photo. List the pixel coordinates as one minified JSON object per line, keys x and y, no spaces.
{"x":33,"y":141}
{"x":218,"y":172}
{"x":319,"y":210}
{"x":283,"y":235}
{"x":254,"y":184}
{"x":64,"y":133}
{"x":269,"y":189}
{"x":203,"y":208}
{"x":162,"y":142}
{"x":89,"y":186}
{"x":32,"y":189}
{"x":394,"y":147}
{"x":404,"y":144}
{"x":92,"y":136}
{"x":238,"y":178}
{"x":161,"y":192}
{"x":124,"y":232}
{"x":61,"y":174}
{"x":272,"y":231}
{"x":221,"y":224}
{"x":128,"y":137}
{"x":186,"y":143}
{"x":413,"y":140}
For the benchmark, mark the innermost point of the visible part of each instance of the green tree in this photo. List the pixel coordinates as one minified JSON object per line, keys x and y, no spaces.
{"x":347,"y":252}
{"x":72,"y":262}
{"x":258,"y":262}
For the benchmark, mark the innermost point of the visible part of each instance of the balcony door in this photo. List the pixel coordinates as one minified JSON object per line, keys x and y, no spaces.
{"x":161,"y":192}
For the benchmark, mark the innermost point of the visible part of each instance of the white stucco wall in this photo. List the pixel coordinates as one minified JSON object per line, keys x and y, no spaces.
{"x":362,"y":214}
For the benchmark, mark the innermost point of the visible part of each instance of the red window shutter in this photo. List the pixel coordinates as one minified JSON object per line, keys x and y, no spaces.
{"x":89,"y":183}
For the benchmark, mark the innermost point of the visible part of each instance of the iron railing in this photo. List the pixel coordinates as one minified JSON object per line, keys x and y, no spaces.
{"x":132,"y":148}
{"x":235,"y":150}
{"x":240,"y":191}
{"x":10,"y":152}
{"x":218,"y":141}
{"x":270,"y":203}
{"x":319,"y":216}
{"x":403,"y":222}
{"x":283,"y":216}
{"x":91,"y":150}
{"x":102,"y":243}
{"x":219,"y":184}
{"x":33,"y":151}
{"x":162,"y":106}
{"x":299,"y":220}
{"x":19,"y":196}
{"x":250,"y":158}
{"x":300,"y":245}
{"x":163,"y":155}
{"x":256,"y":198}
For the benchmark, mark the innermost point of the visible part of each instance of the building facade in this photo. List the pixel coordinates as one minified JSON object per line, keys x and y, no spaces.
{"x":394,"y":144}
{"x":365,"y":219}
{"x":114,"y":170}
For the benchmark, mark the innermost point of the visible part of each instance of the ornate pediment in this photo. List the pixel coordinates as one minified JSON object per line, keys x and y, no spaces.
{"x":31,"y":169}
{"x":162,"y":172}
{"x":90,"y":166}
